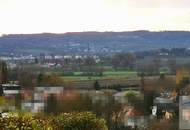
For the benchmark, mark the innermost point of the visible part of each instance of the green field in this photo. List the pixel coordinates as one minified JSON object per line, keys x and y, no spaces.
{"x":120,"y":73}
{"x":106,"y":75}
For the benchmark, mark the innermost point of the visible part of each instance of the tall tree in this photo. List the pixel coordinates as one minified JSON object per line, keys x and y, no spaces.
{"x":3,"y":72}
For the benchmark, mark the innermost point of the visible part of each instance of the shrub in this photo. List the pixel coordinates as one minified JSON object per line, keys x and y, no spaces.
{"x":66,"y":121}
{"x":80,"y":121}
{"x":133,"y":96}
{"x":24,"y":121}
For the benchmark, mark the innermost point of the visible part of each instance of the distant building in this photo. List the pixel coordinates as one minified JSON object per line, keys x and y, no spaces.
{"x":67,"y":57}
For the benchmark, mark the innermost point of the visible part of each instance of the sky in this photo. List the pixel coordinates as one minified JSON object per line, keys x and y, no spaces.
{"x":60,"y":16}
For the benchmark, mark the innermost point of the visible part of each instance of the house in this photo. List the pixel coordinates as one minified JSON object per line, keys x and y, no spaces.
{"x":120,"y":97}
{"x":35,"y":101}
{"x":184,"y":112}
{"x":11,"y":89}
{"x":165,"y":104}
{"x":10,"y":92}
{"x":34,"y":106}
{"x":50,"y":90}
{"x":131,"y":117}
{"x":42,"y":93}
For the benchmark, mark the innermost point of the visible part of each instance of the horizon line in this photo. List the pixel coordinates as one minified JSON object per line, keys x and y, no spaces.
{"x":37,"y":33}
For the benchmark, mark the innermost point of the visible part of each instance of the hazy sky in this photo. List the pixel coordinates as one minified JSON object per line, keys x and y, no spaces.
{"x":59,"y":16}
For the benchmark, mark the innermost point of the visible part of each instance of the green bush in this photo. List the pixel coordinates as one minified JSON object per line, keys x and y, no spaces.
{"x":133,"y":96}
{"x":24,"y":121}
{"x":80,"y":121}
{"x":66,"y":121}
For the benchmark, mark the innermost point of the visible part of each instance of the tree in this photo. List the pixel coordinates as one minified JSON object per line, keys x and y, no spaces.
{"x":18,"y":101}
{"x":27,"y":79}
{"x":40,"y":78}
{"x":36,"y":61}
{"x":129,"y":60}
{"x":1,"y":91}
{"x":96,"y":85}
{"x":123,"y":61}
{"x":131,"y":96}
{"x":116,"y":61}
{"x":142,"y":81}
{"x":155,"y":65}
{"x":182,"y":84}
{"x":51,"y":104}
{"x":3,"y":72}
{"x":172,"y":65}
{"x":148,"y":101}
{"x":89,"y":62}
{"x":47,"y":80}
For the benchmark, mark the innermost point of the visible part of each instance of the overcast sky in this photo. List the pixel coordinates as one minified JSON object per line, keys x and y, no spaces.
{"x":59,"y":16}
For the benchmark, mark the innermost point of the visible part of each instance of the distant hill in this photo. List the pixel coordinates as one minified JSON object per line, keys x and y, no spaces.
{"x":97,"y":42}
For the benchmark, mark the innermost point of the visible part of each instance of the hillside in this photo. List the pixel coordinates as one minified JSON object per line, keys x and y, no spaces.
{"x":97,"y":42}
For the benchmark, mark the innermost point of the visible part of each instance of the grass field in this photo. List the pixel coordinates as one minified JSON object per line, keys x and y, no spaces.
{"x":106,"y":75}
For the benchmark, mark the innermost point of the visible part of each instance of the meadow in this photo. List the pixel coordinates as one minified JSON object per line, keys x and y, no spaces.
{"x":78,"y":76}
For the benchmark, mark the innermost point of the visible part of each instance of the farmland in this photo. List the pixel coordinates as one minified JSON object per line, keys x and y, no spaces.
{"x":77,"y":76}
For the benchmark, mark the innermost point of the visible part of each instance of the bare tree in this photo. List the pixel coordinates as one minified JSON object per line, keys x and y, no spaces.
{"x":3,"y":72}
{"x":123,"y":61}
{"x":172,"y":65}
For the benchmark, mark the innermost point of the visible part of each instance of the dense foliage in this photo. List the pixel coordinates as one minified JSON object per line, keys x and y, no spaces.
{"x":25,"y":122}
{"x":80,"y":121}
{"x":66,"y":121}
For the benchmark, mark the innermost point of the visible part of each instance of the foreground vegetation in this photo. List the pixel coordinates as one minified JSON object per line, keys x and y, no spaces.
{"x":65,"y":121}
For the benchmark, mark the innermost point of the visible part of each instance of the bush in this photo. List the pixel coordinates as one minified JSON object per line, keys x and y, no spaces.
{"x":24,"y":121}
{"x":132,"y":96}
{"x":80,"y":121}
{"x":66,"y":121}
